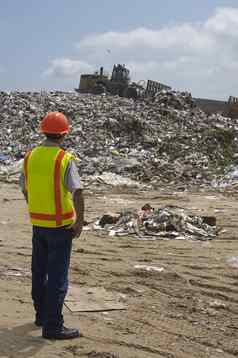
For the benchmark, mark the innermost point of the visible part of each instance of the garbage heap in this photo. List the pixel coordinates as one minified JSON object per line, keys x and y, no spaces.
{"x":159,"y":140}
{"x":165,"y":223}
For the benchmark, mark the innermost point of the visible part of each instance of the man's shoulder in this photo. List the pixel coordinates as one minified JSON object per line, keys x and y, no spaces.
{"x":69,"y":155}
{"x":31,"y":149}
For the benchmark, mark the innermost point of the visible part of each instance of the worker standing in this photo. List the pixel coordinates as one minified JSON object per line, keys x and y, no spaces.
{"x":52,"y":188}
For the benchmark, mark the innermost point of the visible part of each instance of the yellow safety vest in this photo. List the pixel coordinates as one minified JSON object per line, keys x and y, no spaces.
{"x":50,"y":204}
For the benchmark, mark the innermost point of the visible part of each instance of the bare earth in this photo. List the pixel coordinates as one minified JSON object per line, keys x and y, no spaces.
{"x":187,"y":311}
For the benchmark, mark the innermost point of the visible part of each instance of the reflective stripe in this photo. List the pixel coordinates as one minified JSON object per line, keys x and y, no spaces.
{"x":25,"y":168}
{"x":48,"y":217}
{"x":57,"y":186}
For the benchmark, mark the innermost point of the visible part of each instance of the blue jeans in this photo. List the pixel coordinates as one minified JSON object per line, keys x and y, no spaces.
{"x":51,"y":250}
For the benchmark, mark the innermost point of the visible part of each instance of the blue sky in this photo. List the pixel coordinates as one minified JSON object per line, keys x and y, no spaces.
{"x":189,"y":44}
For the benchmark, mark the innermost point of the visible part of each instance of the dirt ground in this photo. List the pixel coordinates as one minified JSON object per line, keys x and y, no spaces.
{"x":187,"y":311}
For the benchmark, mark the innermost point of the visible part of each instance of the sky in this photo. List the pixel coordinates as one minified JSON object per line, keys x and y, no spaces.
{"x":190,"y":45}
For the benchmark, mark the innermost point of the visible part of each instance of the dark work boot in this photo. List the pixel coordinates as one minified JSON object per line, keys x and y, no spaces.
{"x":61,"y":333}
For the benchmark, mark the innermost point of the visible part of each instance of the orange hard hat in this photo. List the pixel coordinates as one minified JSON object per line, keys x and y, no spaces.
{"x":54,"y":123}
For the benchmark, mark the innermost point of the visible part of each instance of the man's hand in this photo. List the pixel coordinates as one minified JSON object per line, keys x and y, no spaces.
{"x":77,"y":228}
{"x":25,"y":195}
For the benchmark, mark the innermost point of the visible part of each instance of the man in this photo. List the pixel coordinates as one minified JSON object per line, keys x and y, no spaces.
{"x":52,"y":188}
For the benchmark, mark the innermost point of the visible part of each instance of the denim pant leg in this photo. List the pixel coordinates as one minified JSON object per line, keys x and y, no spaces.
{"x":59,"y":251}
{"x":39,"y":270}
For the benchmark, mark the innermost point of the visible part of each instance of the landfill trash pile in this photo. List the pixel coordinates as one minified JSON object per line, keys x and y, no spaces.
{"x":112,"y":179}
{"x":10,"y":173}
{"x":159,"y":140}
{"x":165,"y":223}
{"x":170,"y":99}
{"x":229,"y":180}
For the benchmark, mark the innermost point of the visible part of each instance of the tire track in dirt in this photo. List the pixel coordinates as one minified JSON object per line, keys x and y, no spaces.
{"x":139,"y":347}
{"x":200,"y":340}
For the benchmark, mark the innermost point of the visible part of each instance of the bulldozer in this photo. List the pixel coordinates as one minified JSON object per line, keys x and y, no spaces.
{"x":118,"y":84}
{"x":232,"y":110}
{"x":227,"y":108}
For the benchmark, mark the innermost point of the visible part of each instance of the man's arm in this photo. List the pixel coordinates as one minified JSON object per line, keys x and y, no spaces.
{"x":73,"y":184}
{"x":22,"y":186}
{"x":78,"y":200}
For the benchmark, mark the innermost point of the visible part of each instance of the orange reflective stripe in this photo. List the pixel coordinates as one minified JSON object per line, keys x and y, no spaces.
{"x":25,"y":168}
{"x":49,"y":217}
{"x":57,"y":186}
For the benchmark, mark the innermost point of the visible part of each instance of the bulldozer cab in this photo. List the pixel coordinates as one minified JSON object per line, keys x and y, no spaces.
{"x":120,"y":74}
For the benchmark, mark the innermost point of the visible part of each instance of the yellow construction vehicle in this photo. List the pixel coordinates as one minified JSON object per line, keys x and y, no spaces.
{"x":118,"y":84}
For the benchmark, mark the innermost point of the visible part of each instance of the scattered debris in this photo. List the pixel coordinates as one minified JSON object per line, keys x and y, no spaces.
{"x":149,"y":268}
{"x":170,"y":222}
{"x":217,"y":304}
{"x":15,"y":272}
{"x":232,"y":261}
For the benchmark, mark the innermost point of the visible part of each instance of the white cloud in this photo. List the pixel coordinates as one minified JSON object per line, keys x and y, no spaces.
{"x":199,"y":57}
{"x":66,"y":67}
{"x":183,"y":37}
{"x":224,"y":22}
